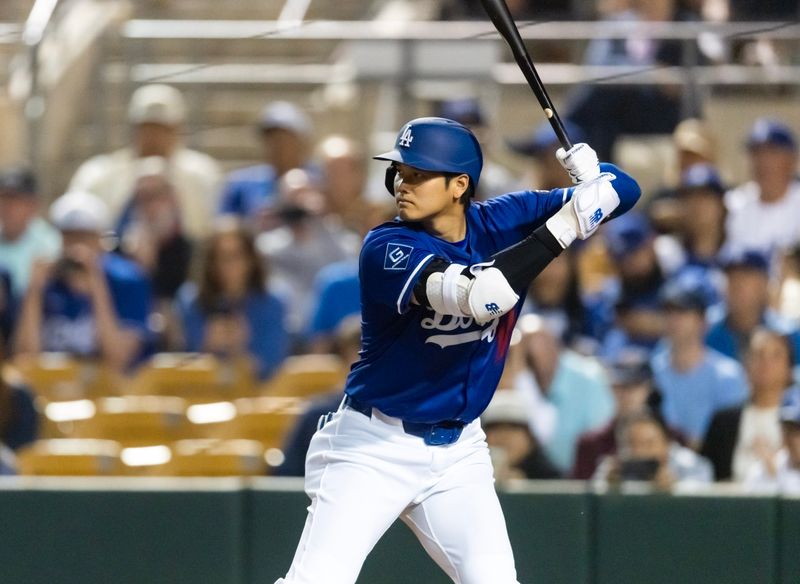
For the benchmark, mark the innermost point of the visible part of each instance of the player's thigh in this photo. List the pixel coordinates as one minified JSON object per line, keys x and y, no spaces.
{"x":463,"y":528}
{"x":354,"y":499}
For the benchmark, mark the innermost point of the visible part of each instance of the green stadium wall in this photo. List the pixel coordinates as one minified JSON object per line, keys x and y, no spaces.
{"x":235,"y":532}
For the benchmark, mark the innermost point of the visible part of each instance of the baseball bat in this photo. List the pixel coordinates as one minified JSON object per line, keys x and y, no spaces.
{"x":504,"y":23}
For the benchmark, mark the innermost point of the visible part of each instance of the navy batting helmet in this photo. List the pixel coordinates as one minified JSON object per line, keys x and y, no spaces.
{"x":437,"y":145}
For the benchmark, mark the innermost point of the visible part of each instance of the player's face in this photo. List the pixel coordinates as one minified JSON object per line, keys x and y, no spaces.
{"x":422,"y":195}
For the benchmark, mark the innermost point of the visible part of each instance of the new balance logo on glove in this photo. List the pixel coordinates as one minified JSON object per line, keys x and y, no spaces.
{"x":596,"y":218}
{"x":492,"y":308}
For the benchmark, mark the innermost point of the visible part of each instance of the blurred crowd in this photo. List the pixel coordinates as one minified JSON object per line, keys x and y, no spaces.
{"x":664,"y":351}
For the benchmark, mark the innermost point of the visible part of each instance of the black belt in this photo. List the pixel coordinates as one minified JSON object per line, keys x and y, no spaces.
{"x":437,"y":434}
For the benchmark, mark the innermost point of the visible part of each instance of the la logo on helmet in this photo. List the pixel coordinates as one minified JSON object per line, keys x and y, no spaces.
{"x":406,"y":138}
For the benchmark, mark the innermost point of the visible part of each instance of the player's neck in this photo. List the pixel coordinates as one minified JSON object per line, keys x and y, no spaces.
{"x":450,"y":225}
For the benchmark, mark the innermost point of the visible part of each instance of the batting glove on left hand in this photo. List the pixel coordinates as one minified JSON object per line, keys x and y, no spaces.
{"x":591,"y":203}
{"x":580,"y":162}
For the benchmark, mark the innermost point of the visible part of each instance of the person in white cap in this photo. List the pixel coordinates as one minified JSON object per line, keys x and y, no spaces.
{"x":89,"y":303}
{"x":156,"y":114}
{"x":285,"y":133}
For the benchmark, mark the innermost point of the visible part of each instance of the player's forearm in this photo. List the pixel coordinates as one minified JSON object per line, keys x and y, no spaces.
{"x":521,"y":263}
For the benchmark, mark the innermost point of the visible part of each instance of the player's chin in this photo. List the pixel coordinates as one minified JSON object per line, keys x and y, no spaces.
{"x":406,"y":212}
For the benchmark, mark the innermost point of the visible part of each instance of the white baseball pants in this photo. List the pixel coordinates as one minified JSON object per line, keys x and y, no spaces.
{"x":362,"y":473}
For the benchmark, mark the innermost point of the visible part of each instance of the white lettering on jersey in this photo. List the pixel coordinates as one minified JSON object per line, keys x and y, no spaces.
{"x":446,"y":323}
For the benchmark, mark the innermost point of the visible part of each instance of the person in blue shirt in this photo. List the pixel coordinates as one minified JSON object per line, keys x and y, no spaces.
{"x":746,"y":305}
{"x":285,"y":133}
{"x":694,"y":380}
{"x":89,"y":303}
{"x":232,"y":313}
{"x":441,"y":289}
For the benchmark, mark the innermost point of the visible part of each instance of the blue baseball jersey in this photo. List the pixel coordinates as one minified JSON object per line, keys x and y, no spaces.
{"x":416,"y":364}
{"x":68,"y":321}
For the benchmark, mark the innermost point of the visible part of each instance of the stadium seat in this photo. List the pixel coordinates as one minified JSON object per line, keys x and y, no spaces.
{"x":265,"y":419}
{"x":60,"y":376}
{"x":70,"y":457}
{"x":196,"y":377}
{"x":136,"y":420}
{"x":209,"y":457}
{"x":307,"y":375}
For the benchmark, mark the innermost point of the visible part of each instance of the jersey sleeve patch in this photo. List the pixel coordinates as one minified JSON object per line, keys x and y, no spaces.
{"x":397,"y":256}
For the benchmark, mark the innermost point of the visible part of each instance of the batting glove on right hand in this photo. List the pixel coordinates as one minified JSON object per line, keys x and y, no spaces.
{"x":580,"y":162}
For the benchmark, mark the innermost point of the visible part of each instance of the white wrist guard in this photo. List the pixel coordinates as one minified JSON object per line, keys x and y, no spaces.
{"x":591,"y":203}
{"x":486,"y":296}
{"x":580,"y":162}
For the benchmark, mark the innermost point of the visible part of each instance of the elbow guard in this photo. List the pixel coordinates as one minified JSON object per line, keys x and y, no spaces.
{"x":484,"y":294}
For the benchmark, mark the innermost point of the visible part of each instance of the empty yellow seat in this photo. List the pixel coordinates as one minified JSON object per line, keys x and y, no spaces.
{"x":136,"y":420}
{"x":307,"y":375}
{"x":266,"y":419}
{"x":211,"y":457}
{"x":70,"y":457}
{"x":197,"y":377}
{"x":60,"y":376}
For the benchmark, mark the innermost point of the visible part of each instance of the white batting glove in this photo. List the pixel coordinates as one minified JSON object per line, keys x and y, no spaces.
{"x":590,"y":204}
{"x":580,"y":162}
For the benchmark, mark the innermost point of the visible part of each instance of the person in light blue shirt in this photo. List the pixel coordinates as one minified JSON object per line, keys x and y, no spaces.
{"x":694,"y":380}
{"x":24,"y":235}
{"x":570,"y":394}
{"x":337,"y":296}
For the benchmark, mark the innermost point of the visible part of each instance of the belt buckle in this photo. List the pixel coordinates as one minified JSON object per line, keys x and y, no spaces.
{"x":441,"y":435}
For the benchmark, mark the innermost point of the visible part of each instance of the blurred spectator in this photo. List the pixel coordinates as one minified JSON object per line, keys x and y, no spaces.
{"x":344,"y":181}
{"x":555,"y":296}
{"x":285,"y":134}
{"x":747,"y":297}
{"x":608,"y":111}
{"x":24,"y":236}
{"x":89,"y":303}
{"x":627,"y":311}
{"x":781,"y":472}
{"x":788,"y":301}
{"x":646,"y":453}
{"x":19,"y":420}
{"x":545,"y":171}
{"x":156,"y":113}
{"x":694,"y":380}
{"x":702,"y":230}
{"x":336,"y":289}
{"x":631,"y":382}
{"x":8,"y":306}
{"x":567,"y":393}
{"x":151,"y":231}
{"x":151,"y":234}
{"x":347,"y":344}
{"x":495,"y":178}
{"x":232,"y":313}
{"x":740,"y":438}
{"x":516,"y":454}
{"x":764,"y":214}
{"x":302,"y":244}
{"x":693,"y":144}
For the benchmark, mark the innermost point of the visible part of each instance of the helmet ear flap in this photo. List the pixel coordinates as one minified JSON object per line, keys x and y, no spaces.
{"x":391,"y":175}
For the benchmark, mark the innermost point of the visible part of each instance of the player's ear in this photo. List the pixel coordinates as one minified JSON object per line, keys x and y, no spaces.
{"x":459,"y":185}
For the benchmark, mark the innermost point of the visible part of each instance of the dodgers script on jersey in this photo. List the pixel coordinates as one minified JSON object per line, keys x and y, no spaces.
{"x":416,"y":364}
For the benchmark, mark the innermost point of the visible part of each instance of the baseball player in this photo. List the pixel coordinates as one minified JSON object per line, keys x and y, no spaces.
{"x":441,"y":288}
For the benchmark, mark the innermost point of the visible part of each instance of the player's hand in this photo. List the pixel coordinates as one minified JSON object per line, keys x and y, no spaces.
{"x":580,"y":162}
{"x":592,"y":203}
